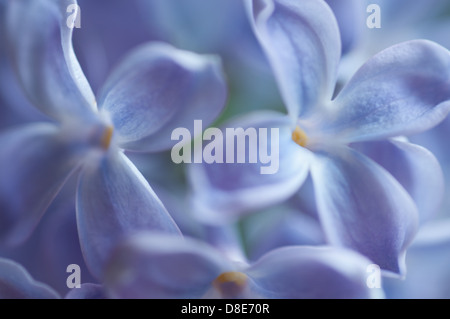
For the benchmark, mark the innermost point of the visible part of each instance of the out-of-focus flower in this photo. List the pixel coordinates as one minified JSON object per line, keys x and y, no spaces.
{"x":151,"y":265}
{"x":360,"y":204}
{"x":285,"y":224}
{"x":155,"y":89}
{"x":219,"y":27}
{"x":400,"y":21}
{"x":14,"y":107}
{"x":54,"y":244}
{"x":427,"y":260}
{"x":87,"y":291}
{"x":109,"y":29}
{"x":350,"y":16}
{"x":16,"y":283}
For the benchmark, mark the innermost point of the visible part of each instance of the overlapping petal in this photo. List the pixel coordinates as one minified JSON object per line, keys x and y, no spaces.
{"x":414,"y":167}
{"x":157,"y":89}
{"x":361,"y":206}
{"x":302,"y":43}
{"x":35,"y":162}
{"x":391,"y":95}
{"x":114,"y":200}
{"x":151,"y":265}
{"x":224,"y":191}
{"x":16,"y":283}
{"x":302,"y":272}
{"x":40,"y":41}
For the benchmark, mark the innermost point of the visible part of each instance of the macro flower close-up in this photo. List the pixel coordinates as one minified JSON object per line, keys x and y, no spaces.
{"x":224,"y":149}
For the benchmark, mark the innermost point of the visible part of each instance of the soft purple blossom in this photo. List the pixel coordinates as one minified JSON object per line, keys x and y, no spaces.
{"x":361,"y":205}
{"x":150,"y":265}
{"x":155,"y":89}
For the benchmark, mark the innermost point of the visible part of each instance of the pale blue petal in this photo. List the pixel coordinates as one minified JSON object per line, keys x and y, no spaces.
{"x":302,"y":272}
{"x":225,"y":191}
{"x":35,"y":162}
{"x":159,"y":88}
{"x":151,"y":265}
{"x":113,"y":201}
{"x":414,"y":167}
{"x":362,"y":207}
{"x":302,"y":43}
{"x":390,"y":95}
{"x":41,"y":46}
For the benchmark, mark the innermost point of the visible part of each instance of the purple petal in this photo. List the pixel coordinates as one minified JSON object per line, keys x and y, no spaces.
{"x":391,"y":96}
{"x":151,"y":265}
{"x":16,"y":283}
{"x":414,"y":167}
{"x":301,"y":272}
{"x":87,"y":291}
{"x":158,"y":88}
{"x":35,"y":162}
{"x":301,"y":40}
{"x":224,"y":191}
{"x":41,"y":45}
{"x":361,"y":206}
{"x":114,"y":200}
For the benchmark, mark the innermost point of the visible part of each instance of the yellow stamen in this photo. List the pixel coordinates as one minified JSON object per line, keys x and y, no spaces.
{"x":230,"y":283}
{"x":299,"y":136}
{"x":107,"y":137}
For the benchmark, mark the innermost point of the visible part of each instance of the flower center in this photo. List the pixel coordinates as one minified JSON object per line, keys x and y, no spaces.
{"x":105,"y":140}
{"x":299,"y":137}
{"x":231,"y":283}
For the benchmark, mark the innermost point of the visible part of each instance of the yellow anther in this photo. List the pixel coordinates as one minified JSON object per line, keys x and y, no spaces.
{"x":230,"y":283}
{"x":107,"y":137}
{"x":299,"y":136}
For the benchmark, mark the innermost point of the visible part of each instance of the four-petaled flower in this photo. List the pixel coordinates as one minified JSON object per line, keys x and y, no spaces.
{"x":338,"y":142}
{"x":154,"y":90}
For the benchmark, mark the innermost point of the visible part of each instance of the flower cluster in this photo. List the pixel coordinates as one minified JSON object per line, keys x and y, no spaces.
{"x":188,"y":149}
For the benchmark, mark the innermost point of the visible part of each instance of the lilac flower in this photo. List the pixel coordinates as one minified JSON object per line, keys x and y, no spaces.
{"x":360,"y":204}
{"x":151,"y":265}
{"x":155,"y":89}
